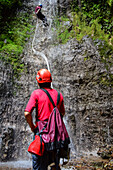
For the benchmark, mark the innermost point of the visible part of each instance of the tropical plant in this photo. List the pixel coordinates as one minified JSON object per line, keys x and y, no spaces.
{"x":15,"y":28}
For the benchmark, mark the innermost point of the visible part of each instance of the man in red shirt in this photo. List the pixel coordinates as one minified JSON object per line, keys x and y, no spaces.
{"x":41,"y":102}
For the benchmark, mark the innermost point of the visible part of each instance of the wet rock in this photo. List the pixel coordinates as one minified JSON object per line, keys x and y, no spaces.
{"x":7,"y":144}
{"x":106,"y":152}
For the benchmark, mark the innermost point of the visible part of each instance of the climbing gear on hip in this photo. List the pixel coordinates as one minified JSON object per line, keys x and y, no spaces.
{"x":37,"y":146}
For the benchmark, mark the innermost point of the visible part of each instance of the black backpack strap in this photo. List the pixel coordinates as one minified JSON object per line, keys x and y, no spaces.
{"x":50,"y":98}
{"x":58,"y":98}
{"x":57,"y":159}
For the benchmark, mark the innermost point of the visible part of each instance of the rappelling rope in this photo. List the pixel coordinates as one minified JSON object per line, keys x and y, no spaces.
{"x":40,"y":53}
{"x":36,"y":52}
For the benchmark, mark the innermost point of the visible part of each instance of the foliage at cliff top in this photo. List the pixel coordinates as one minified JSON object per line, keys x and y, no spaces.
{"x":89,"y":14}
{"x":8,"y":9}
{"x":15,"y":31}
{"x":94,"y":19}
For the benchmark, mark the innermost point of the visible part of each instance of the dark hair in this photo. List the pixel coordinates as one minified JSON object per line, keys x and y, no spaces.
{"x":42,"y":85}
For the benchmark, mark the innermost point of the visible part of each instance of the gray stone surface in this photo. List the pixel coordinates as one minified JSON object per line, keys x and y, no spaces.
{"x":88,"y":104}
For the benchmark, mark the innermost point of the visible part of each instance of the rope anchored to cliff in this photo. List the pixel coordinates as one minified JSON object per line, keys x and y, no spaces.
{"x":39,"y":53}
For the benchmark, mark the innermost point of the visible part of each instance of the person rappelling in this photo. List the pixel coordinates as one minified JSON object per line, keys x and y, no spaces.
{"x":40,"y":15}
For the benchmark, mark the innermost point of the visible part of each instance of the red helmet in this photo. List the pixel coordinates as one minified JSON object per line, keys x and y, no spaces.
{"x":43,"y":76}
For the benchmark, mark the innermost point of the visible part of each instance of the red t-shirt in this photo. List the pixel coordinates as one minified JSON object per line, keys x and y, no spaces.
{"x":41,"y":102}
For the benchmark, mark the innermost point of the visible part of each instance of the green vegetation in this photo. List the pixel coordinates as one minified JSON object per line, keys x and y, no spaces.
{"x":63,"y":35}
{"x":101,"y":9}
{"x":15,"y":31}
{"x":8,"y":10}
{"x":94,"y":19}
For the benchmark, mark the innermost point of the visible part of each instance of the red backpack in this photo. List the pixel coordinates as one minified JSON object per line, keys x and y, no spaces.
{"x":54,"y":135}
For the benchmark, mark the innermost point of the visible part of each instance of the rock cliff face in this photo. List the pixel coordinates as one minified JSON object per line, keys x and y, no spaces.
{"x":76,"y":70}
